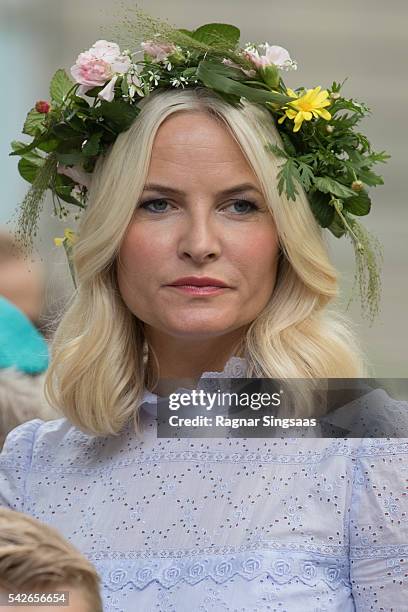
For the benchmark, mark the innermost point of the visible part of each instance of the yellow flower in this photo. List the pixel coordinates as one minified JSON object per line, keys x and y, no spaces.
{"x":311,"y":104}
{"x":69,"y":238}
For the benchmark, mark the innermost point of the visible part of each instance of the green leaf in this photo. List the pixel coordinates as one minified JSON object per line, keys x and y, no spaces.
{"x":306,"y":175}
{"x":124,"y":87}
{"x":222,"y":70}
{"x":92,"y":93}
{"x":34,"y":158}
{"x":92,"y":146}
{"x":28,"y":169}
{"x":276,"y":150}
{"x":330,"y":185}
{"x":60,"y":86}
{"x":34,"y":123}
{"x":213,"y":34}
{"x":74,"y":121}
{"x":70,"y":159}
{"x":64,"y":132}
{"x":89,"y":164}
{"x":22,"y":149}
{"x":18,"y":147}
{"x":64,"y":192}
{"x":322,"y":210}
{"x":369,"y":177}
{"x":189,"y":72}
{"x":213,"y":75}
{"x":359,"y":204}
{"x":293,"y":171}
{"x":48,"y":145}
{"x":81,"y":102}
{"x":287,"y":143}
{"x":337,"y":227}
{"x":270,"y":75}
{"x":189,"y":33}
{"x":287,"y":178}
{"x":379,"y":157}
{"x":119,"y":113}
{"x":62,"y":186}
{"x":62,"y":180}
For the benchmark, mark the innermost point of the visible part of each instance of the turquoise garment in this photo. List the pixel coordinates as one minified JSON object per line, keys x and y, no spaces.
{"x":21,"y":346}
{"x":231,"y":525}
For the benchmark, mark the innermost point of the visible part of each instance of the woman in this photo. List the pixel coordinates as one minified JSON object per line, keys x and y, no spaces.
{"x":143,"y":271}
{"x":198,"y":253}
{"x":205,"y":524}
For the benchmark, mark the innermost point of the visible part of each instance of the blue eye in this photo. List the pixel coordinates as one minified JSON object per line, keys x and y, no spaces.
{"x":159,"y":206}
{"x":247,"y":203}
{"x":149,"y":202}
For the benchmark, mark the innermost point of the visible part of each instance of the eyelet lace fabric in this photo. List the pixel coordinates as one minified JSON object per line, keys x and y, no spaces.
{"x":177,"y":525}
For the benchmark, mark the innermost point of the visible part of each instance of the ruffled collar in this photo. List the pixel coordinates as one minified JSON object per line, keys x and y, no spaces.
{"x":236,"y":367}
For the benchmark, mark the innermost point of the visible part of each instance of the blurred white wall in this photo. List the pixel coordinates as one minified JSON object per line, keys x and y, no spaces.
{"x":366,"y":41}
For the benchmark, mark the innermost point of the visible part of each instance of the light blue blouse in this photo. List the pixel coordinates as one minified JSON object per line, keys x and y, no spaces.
{"x":185,"y":525}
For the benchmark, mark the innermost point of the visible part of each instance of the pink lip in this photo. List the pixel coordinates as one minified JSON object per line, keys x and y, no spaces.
{"x":198,"y":281}
{"x":199,"y":291}
{"x":199,"y":285}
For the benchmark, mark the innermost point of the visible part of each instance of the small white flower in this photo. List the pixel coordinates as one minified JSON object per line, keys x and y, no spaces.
{"x":79,"y":193}
{"x":178,"y":82}
{"x":135,"y":84}
{"x":154,"y":76}
{"x":290,"y":65}
{"x":167,"y":65}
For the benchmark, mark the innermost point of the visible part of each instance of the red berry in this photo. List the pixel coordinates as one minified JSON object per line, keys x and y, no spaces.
{"x":42,"y":106}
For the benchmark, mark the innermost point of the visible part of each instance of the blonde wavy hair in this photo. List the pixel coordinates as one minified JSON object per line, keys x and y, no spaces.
{"x":35,"y":557}
{"x":100,"y":359}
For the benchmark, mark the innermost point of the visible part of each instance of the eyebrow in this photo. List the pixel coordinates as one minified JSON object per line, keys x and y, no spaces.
{"x":230,"y":191}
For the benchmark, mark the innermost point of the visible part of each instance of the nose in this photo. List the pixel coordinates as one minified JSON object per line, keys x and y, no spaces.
{"x":199,"y":239}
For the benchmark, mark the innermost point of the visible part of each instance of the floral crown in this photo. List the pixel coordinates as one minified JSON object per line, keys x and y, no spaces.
{"x":321,"y":149}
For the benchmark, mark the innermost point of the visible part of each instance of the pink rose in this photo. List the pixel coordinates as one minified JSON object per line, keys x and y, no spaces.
{"x":77,"y":174}
{"x":265,"y":55}
{"x":98,"y":65}
{"x":158,"y":51}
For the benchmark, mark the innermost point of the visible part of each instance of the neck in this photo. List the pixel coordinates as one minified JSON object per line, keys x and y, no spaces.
{"x":180,"y":361}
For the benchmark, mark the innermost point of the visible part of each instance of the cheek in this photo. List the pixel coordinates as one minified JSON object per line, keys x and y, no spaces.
{"x":258,"y":252}
{"x":141,"y":251}
{"x":134,"y":269}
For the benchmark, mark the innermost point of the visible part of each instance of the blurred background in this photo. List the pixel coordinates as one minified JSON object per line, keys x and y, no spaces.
{"x":364,"y":41}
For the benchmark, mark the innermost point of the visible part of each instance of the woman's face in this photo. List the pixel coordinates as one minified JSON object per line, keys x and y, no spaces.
{"x":202,"y":214}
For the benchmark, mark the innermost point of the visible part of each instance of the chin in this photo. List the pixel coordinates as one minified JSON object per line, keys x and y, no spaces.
{"x":198,"y":333}
{"x":199,"y":330}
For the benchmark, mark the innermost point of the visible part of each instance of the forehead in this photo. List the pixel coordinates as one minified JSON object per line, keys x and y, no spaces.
{"x":196,"y":139}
